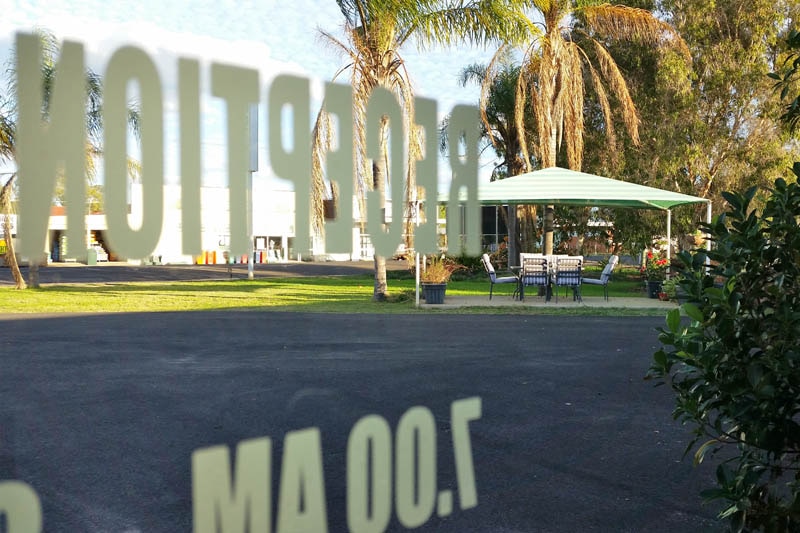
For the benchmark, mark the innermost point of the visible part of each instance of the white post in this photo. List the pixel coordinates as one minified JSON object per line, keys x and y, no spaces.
{"x":249,"y":208}
{"x":669,"y":239}
{"x":416,"y":270}
{"x":249,"y":202}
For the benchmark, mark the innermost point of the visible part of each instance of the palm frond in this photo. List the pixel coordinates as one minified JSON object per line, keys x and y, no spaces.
{"x":322,"y":143}
{"x":570,"y":97}
{"x":605,"y":108}
{"x":487,"y":80}
{"x":632,"y":24}
{"x":7,"y":130}
{"x":527,"y":78}
{"x":619,"y":89}
{"x":479,"y":22}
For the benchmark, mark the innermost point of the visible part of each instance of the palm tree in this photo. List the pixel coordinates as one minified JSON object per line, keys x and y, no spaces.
{"x":375,"y":31}
{"x":563,"y":55}
{"x":94,"y":128}
{"x":498,"y":105}
{"x":7,"y":129}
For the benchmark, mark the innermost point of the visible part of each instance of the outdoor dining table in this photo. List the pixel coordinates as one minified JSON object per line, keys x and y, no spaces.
{"x":551,"y":262}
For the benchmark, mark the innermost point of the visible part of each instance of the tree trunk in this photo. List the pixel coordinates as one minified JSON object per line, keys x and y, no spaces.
{"x":33,"y":273}
{"x":513,"y":241}
{"x":11,"y":256}
{"x":528,"y":228}
{"x":549,"y":211}
{"x":380,"y":290}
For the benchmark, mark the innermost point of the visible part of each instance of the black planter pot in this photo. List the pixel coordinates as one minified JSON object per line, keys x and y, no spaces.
{"x":653,"y":288}
{"x":433,"y":293}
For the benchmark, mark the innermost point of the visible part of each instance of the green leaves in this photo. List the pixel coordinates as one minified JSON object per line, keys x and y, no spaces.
{"x":735,"y":369}
{"x":693,"y":312}
{"x":674,"y":320}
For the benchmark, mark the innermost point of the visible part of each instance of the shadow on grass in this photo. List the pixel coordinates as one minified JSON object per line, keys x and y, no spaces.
{"x":336,"y":294}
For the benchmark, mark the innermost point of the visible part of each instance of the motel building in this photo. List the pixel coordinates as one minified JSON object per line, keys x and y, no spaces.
{"x":273,"y":232}
{"x":272,"y":222}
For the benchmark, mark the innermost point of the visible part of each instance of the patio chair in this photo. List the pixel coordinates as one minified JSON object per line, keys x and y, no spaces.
{"x":568,"y":274}
{"x":534,"y":272}
{"x":605,"y":275}
{"x":493,"y":279}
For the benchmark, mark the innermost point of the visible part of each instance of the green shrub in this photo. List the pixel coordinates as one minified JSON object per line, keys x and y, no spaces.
{"x":735,"y":366}
{"x":670,"y":286}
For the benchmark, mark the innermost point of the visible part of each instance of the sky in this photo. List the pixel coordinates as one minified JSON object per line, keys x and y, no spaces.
{"x":271,"y":36}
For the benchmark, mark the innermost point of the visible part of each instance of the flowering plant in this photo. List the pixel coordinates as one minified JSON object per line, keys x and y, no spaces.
{"x":654,"y":267}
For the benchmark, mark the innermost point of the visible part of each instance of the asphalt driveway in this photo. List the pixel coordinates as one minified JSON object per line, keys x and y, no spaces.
{"x":101,"y":414}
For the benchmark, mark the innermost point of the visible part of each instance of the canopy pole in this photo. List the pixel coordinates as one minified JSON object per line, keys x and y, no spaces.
{"x":513,"y":253}
{"x":416,"y":270}
{"x":669,"y":235}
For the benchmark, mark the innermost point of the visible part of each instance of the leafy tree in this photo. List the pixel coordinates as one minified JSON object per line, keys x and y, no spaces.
{"x":735,"y":368}
{"x":709,"y":125}
{"x":788,"y":80}
{"x":498,"y":82}
{"x":375,"y":31}
{"x":566,"y":53}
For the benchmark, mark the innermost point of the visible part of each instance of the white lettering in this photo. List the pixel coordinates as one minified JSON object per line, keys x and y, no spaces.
{"x":302,"y":491}
{"x":463,"y":129}
{"x":339,"y":166}
{"x":369,"y":475}
{"x":126,"y":64}
{"x":21,"y":506}
{"x":294,"y":165}
{"x":223,"y":505}
{"x":45,"y":149}
{"x":189,"y":110}
{"x":426,"y":172}
{"x":239,"y":87}
{"x":415,"y":484}
{"x":383,"y":106}
{"x":462,"y":412}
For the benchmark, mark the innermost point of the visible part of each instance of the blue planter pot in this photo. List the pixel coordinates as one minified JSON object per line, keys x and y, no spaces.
{"x":433,"y":293}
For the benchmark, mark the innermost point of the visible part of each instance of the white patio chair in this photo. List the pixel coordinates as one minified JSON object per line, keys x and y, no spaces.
{"x":493,"y":278}
{"x":605,"y":275}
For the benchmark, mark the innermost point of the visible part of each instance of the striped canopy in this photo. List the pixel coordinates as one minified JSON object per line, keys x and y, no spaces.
{"x":555,"y":185}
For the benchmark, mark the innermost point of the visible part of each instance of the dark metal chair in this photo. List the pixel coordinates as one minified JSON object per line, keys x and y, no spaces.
{"x":535,"y":272}
{"x":568,"y":274}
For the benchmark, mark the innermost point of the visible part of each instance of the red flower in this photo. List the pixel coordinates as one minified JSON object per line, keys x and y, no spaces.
{"x":649,"y":255}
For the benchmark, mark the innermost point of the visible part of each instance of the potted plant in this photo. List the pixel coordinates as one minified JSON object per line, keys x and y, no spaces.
{"x":434,"y":277}
{"x":654,"y":271}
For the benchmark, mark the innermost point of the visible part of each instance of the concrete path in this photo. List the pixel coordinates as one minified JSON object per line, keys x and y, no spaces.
{"x":454,"y":302}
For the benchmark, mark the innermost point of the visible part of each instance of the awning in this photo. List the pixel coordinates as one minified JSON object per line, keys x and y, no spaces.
{"x":561,"y":186}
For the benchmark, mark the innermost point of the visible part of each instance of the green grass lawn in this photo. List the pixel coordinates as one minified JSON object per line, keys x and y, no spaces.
{"x":346,"y":294}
